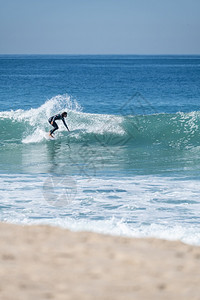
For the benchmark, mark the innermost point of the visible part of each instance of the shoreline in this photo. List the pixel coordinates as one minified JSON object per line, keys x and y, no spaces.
{"x":44,"y":262}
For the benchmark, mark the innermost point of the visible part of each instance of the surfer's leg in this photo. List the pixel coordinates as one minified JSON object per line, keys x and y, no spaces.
{"x":55,"y":128}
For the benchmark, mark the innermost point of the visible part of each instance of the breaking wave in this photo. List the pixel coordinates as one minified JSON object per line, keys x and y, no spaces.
{"x":31,"y":126}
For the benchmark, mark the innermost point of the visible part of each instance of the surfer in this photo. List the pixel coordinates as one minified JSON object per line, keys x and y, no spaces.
{"x":54,"y":124}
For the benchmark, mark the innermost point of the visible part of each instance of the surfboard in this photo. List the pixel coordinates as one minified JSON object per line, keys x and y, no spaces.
{"x":48,"y":137}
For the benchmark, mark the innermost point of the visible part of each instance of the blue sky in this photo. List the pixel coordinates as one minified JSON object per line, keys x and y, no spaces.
{"x":99,"y":27}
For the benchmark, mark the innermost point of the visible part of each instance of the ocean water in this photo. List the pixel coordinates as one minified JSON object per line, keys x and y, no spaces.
{"x":130,"y":164}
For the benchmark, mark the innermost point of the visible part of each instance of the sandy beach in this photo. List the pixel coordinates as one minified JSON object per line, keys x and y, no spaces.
{"x":42,"y":262}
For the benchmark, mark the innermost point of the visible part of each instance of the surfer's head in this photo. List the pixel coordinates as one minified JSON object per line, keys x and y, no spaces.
{"x":64,"y":114}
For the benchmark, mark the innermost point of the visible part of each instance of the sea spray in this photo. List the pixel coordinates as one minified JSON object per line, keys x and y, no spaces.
{"x":169,"y":130}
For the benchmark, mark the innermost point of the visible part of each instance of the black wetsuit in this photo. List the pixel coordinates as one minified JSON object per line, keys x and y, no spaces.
{"x":56,"y":117}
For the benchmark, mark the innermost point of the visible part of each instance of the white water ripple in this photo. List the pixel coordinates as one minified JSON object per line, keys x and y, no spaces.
{"x":141,"y":206}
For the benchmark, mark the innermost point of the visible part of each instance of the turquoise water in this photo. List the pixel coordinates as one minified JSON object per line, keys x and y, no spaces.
{"x":130,"y":163}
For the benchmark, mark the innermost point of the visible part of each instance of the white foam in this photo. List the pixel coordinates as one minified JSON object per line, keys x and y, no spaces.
{"x":142,"y":206}
{"x":116,"y":227}
{"x":35,"y":116}
{"x":37,"y":136}
{"x":77,"y":120}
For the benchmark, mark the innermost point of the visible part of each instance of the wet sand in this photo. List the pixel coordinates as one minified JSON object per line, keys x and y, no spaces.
{"x":43,"y":262}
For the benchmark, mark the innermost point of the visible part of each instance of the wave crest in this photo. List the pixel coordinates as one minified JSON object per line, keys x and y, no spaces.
{"x":31,"y":126}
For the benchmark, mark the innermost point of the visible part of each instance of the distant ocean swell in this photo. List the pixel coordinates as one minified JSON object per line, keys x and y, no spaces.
{"x":178,"y":130}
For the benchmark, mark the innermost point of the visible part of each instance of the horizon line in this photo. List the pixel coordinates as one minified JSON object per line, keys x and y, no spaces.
{"x":103,"y":54}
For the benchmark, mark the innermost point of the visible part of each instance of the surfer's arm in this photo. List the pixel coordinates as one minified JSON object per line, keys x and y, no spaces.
{"x":65,"y":124}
